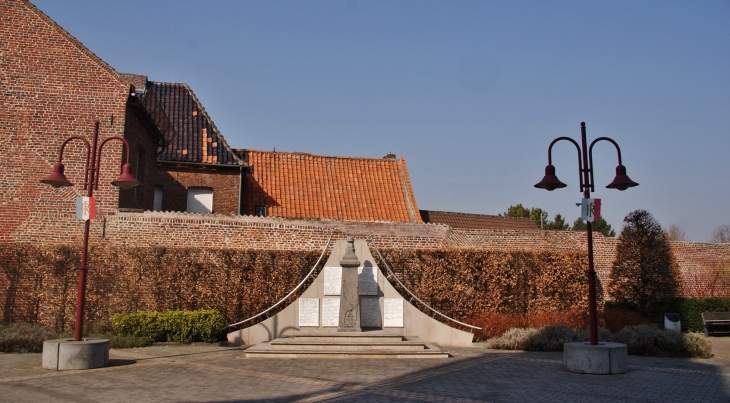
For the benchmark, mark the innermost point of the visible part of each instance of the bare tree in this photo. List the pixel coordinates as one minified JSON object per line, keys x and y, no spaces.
{"x":675,"y":233}
{"x":721,"y":234}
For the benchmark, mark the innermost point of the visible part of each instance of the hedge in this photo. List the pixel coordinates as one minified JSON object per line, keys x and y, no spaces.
{"x":689,"y":310}
{"x":172,"y":326}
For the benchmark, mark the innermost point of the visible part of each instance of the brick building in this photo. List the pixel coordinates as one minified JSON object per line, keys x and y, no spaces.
{"x":53,"y":87}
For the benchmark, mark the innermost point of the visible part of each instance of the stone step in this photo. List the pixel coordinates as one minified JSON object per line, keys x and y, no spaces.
{"x":264,"y":350}
{"x":338,"y":337}
{"x":345,"y":345}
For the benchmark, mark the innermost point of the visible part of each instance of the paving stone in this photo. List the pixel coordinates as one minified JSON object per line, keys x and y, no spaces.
{"x":211,"y":373}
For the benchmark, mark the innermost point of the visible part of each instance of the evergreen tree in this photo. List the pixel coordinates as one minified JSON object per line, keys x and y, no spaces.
{"x":645,"y":272}
{"x":599,"y":226}
{"x":558,"y":223}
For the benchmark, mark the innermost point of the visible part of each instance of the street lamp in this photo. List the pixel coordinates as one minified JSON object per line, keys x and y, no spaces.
{"x":551,"y":182}
{"x":91,"y":182}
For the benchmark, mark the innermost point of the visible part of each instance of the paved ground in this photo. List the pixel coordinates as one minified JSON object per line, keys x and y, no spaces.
{"x":211,"y":373}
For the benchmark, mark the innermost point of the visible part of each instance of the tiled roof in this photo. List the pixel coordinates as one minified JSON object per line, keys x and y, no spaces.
{"x":477,"y":221}
{"x":300,"y":185}
{"x":196,"y":137}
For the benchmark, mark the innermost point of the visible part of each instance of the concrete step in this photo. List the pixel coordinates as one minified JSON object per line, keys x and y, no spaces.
{"x":368,"y":344}
{"x":284,"y":344}
{"x":338,"y":337}
{"x":264,"y":350}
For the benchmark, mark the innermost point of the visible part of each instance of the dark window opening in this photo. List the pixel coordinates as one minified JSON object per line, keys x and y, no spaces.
{"x":260,"y":211}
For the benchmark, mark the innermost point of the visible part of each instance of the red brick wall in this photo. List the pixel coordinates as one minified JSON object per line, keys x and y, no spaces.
{"x":175,"y":182}
{"x":141,"y":145}
{"x":52,"y":87}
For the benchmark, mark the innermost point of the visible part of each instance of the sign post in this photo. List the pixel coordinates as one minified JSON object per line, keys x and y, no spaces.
{"x":85,"y":208}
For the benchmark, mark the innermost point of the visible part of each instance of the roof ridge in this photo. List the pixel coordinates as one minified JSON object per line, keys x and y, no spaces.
{"x":479,"y":214}
{"x":307,"y":154}
{"x":75,"y":42}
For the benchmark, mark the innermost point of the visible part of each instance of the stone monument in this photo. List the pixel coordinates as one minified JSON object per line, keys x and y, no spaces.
{"x":349,"y":294}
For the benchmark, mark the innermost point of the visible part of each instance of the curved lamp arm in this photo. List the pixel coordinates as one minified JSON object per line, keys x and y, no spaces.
{"x":98,"y":161}
{"x":88,"y":156}
{"x":580,"y":162}
{"x":590,"y":154}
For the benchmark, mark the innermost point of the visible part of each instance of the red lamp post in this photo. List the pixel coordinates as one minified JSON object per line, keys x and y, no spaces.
{"x":585,"y":175}
{"x":91,"y":182}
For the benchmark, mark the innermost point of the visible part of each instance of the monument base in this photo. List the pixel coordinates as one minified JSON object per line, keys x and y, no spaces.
{"x":601,"y":359}
{"x":63,"y":354}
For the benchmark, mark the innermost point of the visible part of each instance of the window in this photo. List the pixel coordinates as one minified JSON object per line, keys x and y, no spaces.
{"x":200,"y":200}
{"x":157,"y":205}
{"x":260,"y":211}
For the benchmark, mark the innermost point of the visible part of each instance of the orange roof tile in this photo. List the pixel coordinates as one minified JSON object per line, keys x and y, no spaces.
{"x":301,"y":185}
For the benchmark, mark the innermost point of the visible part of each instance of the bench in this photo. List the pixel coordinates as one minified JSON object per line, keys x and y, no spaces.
{"x":715,"y":319}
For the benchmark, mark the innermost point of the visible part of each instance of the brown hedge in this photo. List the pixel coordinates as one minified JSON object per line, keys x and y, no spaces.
{"x":463,"y":283}
{"x":38,"y":283}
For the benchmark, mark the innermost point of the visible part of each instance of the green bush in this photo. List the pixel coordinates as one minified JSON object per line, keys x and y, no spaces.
{"x":690,"y":311}
{"x":23,"y":338}
{"x":172,"y":326}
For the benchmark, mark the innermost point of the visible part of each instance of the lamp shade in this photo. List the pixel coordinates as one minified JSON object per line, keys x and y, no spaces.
{"x":550,"y":182}
{"x":621,"y":181}
{"x":57,"y":179}
{"x":126,"y":180}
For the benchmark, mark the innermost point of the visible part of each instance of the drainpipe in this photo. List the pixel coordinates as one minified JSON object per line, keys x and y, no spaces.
{"x":240,"y":190}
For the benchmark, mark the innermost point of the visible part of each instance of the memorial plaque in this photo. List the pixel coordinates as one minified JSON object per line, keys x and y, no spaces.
{"x":370,"y":312}
{"x":367,"y":280}
{"x":392,"y":312}
{"x":308,"y":311}
{"x":330,"y":312}
{"x":332,"y":280}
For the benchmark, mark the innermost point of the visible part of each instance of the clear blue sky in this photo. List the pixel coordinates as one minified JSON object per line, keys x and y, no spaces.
{"x":471,"y":93}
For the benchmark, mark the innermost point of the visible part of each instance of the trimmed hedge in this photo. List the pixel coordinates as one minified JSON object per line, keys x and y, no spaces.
{"x":172,"y":326}
{"x":689,"y":310}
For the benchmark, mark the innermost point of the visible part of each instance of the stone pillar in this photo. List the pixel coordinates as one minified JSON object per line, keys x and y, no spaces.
{"x":349,"y":295}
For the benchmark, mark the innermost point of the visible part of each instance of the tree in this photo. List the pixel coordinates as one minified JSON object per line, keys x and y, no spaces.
{"x":675,"y":233}
{"x":557,"y":223}
{"x":645,"y":272}
{"x":599,"y":226}
{"x":537,"y":215}
{"x":721,"y":234}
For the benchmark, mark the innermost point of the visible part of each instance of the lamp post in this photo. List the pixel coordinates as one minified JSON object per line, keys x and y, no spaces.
{"x":91,"y":182}
{"x":585,"y":175}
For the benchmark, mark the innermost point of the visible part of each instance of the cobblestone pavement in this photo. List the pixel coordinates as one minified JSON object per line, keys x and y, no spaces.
{"x":211,"y":373}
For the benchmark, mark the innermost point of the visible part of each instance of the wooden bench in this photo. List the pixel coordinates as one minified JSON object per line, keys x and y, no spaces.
{"x":715,"y":318}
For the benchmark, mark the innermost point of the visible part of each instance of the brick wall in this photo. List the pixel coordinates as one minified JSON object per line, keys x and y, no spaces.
{"x":698,"y":261}
{"x":176,"y":180}
{"x":52,"y":87}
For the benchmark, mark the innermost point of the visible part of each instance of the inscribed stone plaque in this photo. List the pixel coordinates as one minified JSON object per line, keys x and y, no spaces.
{"x":332,"y":280}
{"x":370,"y":312}
{"x":330,"y":312}
{"x":392,"y":312}
{"x":308,"y":311}
{"x":367,"y":280}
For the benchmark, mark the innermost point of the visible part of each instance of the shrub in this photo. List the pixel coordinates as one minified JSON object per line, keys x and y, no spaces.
{"x":697,"y":345}
{"x":495,"y":324}
{"x":603,"y":335}
{"x":551,"y":338}
{"x":690,"y":310}
{"x":513,"y":339}
{"x":617,"y":319}
{"x":574,"y":318}
{"x":23,"y":338}
{"x":172,"y":326}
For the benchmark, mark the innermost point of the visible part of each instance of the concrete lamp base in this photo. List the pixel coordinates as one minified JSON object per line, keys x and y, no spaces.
{"x":601,"y":359}
{"x":62,"y":354}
